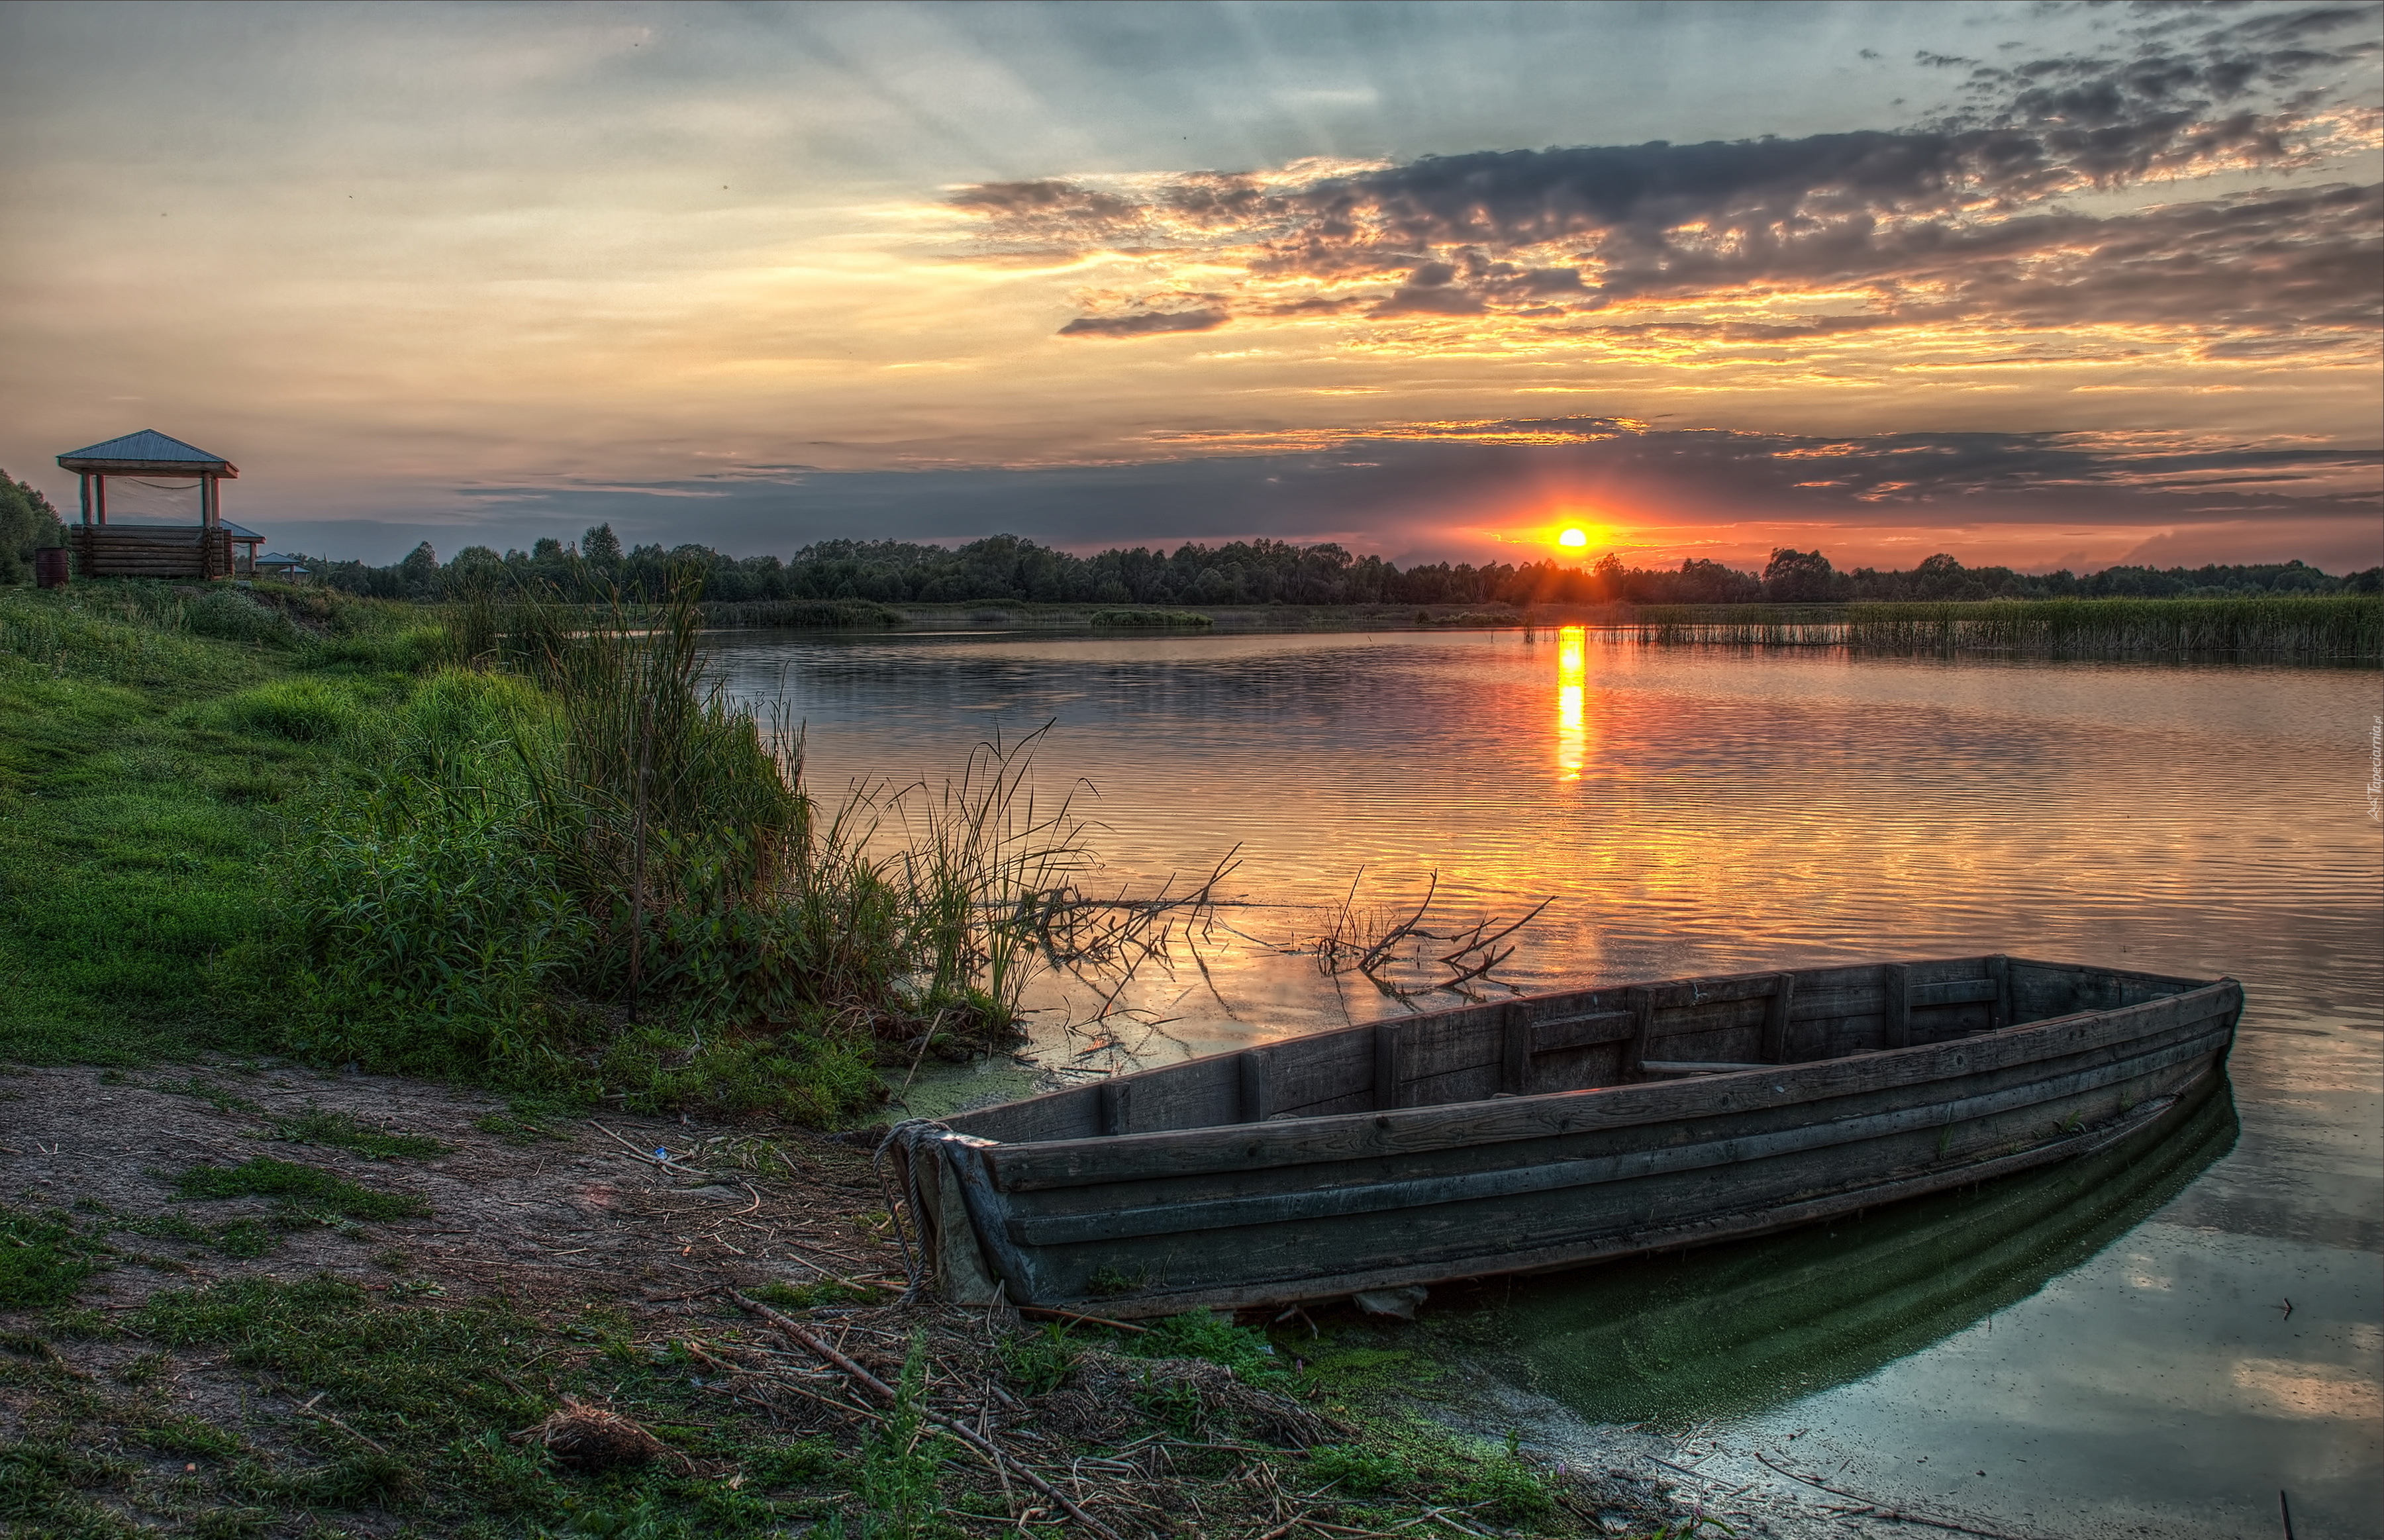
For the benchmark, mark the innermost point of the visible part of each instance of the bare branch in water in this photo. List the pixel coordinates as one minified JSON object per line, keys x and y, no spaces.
{"x":1369,"y":944}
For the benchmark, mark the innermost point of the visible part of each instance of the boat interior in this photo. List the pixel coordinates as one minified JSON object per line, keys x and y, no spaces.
{"x":1579,"y":1040}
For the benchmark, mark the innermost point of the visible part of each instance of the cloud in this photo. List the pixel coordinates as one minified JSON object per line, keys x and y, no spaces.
{"x":1997,"y":214}
{"x":1143,"y":324}
{"x":1434,"y":490}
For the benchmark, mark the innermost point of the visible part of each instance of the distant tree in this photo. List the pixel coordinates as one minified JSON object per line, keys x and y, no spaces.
{"x":601,"y":547}
{"x":1941,"y":577}
{"x":27,"y":524}
{"x":419,"y":571}
{"x":1797,"y":577}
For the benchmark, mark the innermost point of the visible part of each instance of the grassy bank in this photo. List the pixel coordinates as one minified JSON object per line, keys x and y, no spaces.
{"x":151,"y":746}
{"x":512,"y":848}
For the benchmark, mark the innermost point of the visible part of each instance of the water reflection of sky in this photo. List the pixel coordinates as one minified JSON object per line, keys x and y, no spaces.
{"x":1695,"y":810}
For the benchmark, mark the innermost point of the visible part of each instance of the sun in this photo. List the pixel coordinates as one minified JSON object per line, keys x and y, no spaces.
{"x":1573,"y":539}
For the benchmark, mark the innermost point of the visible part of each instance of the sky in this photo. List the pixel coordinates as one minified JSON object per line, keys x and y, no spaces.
{"x":2041,"y":284}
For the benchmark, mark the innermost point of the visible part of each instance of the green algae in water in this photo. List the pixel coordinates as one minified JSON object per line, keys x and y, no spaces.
{"x":1738,"y":1329}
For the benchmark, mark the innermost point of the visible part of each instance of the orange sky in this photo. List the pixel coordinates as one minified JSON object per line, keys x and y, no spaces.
{"x":2107,"y":282}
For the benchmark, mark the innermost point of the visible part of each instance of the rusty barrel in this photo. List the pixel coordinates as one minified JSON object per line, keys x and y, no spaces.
{"x":50,"y":566}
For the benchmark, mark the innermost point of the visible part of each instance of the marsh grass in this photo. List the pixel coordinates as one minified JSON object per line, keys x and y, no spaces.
{"x":582,"y":865}
{"x":2301,"y":628}
{"x":1147,"y":620}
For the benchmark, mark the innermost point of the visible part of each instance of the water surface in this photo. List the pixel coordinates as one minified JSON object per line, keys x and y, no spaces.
{"x":2111,"y":1348}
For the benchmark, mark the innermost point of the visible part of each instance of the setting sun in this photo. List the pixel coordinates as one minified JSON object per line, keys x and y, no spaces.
{"x":1573,"y":539}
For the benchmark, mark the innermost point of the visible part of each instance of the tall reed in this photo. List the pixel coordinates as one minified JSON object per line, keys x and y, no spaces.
{"x":2302,"y":628}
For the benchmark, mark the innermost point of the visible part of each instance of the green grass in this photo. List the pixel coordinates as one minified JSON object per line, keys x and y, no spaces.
{"x":42,"y":1259}
{"x":346,"y":1131}
{"x":306,"y":1192}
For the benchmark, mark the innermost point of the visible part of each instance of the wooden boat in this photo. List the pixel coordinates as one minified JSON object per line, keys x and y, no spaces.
{"x":1549,"y":1132}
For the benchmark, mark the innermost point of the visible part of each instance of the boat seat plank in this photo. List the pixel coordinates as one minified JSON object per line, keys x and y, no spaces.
{"x":1952,"y":991}
{"x":1551,"y":1034}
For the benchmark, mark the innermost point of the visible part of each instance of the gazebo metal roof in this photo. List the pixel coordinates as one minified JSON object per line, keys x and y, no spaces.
{"x":147,"y":452}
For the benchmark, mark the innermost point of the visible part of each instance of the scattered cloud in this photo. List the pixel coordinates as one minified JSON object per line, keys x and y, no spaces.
{"x":1143,"y":323}
{"x":2057,"y":195}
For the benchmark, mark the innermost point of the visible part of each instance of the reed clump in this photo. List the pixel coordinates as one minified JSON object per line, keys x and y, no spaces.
{"x":580,"y":862}
{"x":1150,"y":620}
{"x":2333,"y":628}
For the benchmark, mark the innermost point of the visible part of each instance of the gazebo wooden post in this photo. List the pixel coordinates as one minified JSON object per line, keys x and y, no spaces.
{"x":103,"y":498}
{"x":86,"y":497}
{"x":207,"y":528}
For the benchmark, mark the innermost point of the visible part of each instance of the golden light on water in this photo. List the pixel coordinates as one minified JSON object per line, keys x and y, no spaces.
{"x":1573,"y":701}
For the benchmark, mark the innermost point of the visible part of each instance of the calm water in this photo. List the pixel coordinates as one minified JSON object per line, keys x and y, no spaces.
{"x":2110,"y":1347}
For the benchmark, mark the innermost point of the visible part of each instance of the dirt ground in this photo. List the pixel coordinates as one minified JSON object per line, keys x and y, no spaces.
{"x":582,"y":1210}
{"x":647,"y":1215}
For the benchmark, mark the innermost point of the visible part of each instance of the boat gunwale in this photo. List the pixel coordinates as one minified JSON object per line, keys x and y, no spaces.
{"x":1093,"y":1161}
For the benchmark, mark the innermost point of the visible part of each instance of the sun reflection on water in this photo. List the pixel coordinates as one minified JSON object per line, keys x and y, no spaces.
{"x":1572,"y":701}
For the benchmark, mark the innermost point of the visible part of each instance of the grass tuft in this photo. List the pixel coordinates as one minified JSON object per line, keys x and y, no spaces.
{"x":43,"y":1258}
{"x":306,"y":1192}
{"x":346,"y":1131}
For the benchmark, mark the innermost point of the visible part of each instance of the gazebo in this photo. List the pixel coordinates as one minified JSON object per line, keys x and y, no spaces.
{"x":201,"y":549}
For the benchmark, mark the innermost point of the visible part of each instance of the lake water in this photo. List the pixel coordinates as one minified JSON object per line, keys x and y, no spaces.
{"x":2103,"y":1350}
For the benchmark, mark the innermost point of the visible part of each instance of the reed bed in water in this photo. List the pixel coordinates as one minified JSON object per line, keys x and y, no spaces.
{"x":2313,"y":628}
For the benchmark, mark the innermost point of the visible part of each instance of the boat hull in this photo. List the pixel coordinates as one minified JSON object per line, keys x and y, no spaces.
{"x":1282,"y":1209}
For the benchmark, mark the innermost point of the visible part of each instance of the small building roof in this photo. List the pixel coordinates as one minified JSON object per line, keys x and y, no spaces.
{"x":241,"y":535}
{"x":147,"y":452}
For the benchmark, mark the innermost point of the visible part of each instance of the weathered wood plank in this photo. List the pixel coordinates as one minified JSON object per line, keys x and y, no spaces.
{"x":1252,"y":1064}
{"x":1438,"y":1044}
{"x":1515,"y":1064}
{"x":1999,"y":970}
{"x":1952,"y":991}
{"x":1641,"y":1002}
{"x":1689,"y":1066}
{"x":1067,"y":1164}
{"x":1775,"y":1018}
{"x":1474,"y":1083}
{"x":1303,"y":1071}
{"x":1577,"y":1069}
{"x":1895,"y":979}
{"x":1536,"y":1254}
{"x":1740,"y":1152}
{"x":1482,"y":1232}
{"x":1559,"y":1033}
{"x":1734,"y":1108}
{"x":1387,"y":1063}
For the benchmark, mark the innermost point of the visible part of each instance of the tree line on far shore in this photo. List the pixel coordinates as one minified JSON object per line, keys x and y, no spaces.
{"x":1007,"y":568}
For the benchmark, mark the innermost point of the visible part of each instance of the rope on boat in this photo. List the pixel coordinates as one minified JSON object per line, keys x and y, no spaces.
{"x":917,"y":1265}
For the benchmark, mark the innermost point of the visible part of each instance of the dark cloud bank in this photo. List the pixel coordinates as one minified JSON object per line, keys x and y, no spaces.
{"x":1405,"y":492}
{"x":1964,"y":219}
